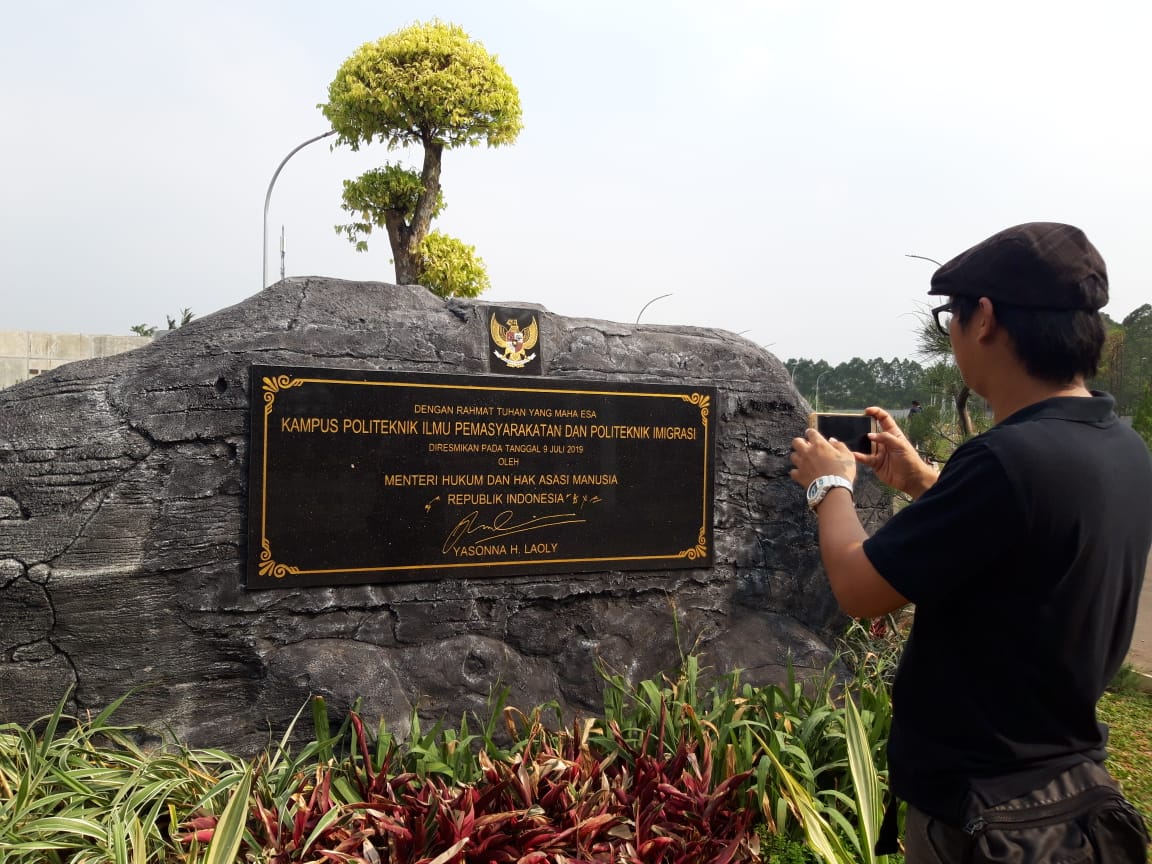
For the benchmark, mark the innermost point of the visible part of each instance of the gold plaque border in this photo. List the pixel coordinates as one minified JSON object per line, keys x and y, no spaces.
{"x":274,"y":384}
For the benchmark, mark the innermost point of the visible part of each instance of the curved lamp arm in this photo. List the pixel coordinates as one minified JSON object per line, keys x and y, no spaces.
{"x":268,"y":197}
{"x":649,"y":303}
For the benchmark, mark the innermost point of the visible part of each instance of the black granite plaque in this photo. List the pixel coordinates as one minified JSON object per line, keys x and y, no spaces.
{"x":363,"y":476}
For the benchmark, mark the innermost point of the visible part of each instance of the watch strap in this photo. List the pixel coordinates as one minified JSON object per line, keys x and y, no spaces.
{"x":819,"y":488}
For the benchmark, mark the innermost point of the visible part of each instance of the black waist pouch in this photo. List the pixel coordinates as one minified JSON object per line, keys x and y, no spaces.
{"x":1080,"y":816}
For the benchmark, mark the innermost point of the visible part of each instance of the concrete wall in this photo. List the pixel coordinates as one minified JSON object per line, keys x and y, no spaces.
{"x":25,"y":353}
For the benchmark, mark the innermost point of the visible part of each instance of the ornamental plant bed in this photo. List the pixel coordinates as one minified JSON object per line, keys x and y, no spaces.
{"x":548,"y":803}
{"x":672,"y":772}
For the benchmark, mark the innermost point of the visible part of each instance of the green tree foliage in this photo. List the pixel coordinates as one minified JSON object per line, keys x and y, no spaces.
{"x":1126,"y":361}
{"x":951,"y":412}
{"x":427,"y":85}
{"x":1111,"y":357}
{"x":921,"y":429}
{"x":935,"y":346}
{"x":1137,"y":357}
{"x":859,"y":383}
{"x":186,"y":315}
{"x":1142,"y":419}
{"x":946,"y":418}
{"x":450,"y":268}
{"x":391,"y":189}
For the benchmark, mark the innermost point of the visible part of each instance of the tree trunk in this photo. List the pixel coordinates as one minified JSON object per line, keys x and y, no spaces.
{"x":405,"y":238}
{"x":430,"y":180}
{"x":966,"y":427}
{"x":399,"y":236}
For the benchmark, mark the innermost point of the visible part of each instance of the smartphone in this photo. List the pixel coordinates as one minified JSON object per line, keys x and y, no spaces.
{"x":852,"y":429}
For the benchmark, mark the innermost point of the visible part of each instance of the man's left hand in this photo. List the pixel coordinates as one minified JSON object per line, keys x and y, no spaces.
{"x":815,"y":456}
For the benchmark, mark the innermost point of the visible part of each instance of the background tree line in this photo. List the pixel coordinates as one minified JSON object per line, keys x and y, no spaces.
{"x":951,"y":413}
{"x":859,"y":383}
{"x":1125,"y":372}
{"x":1126,"y":367}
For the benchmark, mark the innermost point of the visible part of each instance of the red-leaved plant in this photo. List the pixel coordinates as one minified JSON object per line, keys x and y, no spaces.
{"x":556,"y":800}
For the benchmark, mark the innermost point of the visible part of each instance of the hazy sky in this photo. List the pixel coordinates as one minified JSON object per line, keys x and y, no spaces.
{"x":768,"y":164}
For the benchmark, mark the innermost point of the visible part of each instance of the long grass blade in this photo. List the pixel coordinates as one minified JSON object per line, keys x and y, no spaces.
{"x":865,"y":780}
{"x":818,"y":832}
{"x":230,"y":829}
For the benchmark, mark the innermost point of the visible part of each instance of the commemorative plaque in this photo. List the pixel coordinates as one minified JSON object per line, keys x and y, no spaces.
{"x":359,"y":476}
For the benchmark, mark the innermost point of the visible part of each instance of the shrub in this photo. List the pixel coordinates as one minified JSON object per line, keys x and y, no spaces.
{"x":674,"y":770}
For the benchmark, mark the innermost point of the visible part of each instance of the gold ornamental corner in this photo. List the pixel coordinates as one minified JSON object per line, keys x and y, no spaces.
{"x":272,"y":386}
{"x":703,"y":400}
{"x":268,"y":567}
{"x":697,"y":551}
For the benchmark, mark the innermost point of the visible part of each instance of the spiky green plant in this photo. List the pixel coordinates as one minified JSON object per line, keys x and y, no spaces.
{"x":676,"y":769}
{"x":833,"y":837}
{"x":82,"y":790}
{"x":787,"y":739}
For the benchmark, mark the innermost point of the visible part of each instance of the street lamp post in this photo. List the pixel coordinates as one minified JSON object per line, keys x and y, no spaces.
{"x":268,"y":198}
{"x":649,"y":303}
{"x":818,"y":377}
{"x":923,"y":258}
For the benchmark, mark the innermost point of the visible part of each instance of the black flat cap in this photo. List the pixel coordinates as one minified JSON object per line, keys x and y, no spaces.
{"x":1038,"y":264}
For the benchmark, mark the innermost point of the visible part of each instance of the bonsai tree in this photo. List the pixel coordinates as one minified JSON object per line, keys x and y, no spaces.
{"x":427,"y":85}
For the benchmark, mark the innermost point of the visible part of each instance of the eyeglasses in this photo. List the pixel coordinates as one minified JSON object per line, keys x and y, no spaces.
{"x":942,"y":315}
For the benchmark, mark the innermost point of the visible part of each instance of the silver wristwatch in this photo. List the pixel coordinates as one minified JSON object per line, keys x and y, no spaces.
{"x":819,"y":487}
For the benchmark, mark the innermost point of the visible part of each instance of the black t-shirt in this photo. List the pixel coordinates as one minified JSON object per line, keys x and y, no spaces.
{"x":1025,"y":562}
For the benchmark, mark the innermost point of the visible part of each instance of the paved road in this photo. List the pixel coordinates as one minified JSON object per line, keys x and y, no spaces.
{"x":1140,"y":655}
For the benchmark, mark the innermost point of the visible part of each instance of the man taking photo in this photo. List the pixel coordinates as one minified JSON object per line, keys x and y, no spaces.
{"x":1024,"y":557}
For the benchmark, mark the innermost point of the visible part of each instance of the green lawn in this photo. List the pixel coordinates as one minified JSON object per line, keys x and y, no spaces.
{"x":1129,"y":716}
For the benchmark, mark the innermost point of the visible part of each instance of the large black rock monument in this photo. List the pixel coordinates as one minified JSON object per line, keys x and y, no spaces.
{"x":135,"y":491}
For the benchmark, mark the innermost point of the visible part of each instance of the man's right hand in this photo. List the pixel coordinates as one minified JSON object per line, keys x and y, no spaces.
{"x":894,"y":459}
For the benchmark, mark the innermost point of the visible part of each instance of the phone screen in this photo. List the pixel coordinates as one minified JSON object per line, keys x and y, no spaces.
{"x":852,"y":429}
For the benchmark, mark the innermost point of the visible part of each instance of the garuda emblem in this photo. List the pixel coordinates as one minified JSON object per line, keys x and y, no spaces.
{"x":516,"y":343}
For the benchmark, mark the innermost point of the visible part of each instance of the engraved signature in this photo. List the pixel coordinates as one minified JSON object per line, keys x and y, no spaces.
{"x":502,"y":524}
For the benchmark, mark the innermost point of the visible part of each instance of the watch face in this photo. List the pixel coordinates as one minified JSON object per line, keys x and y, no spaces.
{"x":814,"y":490}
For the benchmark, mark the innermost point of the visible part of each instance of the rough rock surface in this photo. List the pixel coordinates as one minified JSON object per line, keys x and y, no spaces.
{"x":122,"y":534}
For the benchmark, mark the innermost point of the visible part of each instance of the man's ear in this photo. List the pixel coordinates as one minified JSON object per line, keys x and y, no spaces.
{"x":985,"y":319}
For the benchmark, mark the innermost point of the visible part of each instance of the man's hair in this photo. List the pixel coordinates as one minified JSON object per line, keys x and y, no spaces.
{"x":1053,"y":344}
